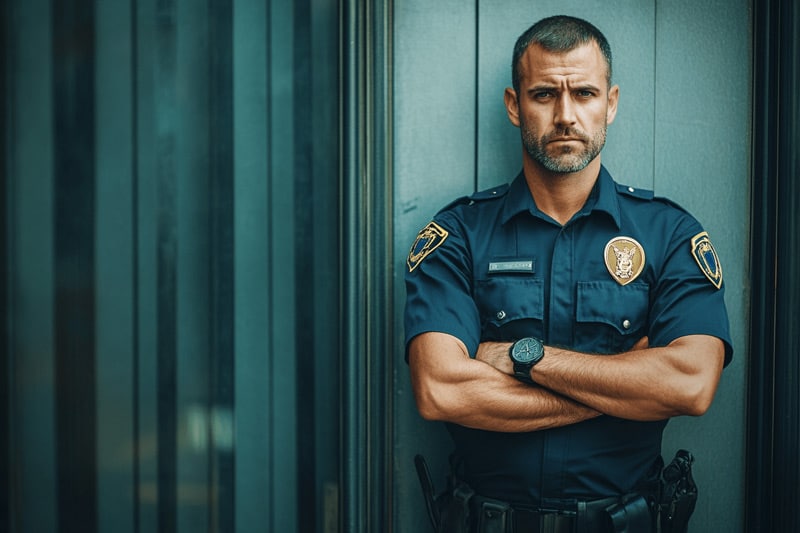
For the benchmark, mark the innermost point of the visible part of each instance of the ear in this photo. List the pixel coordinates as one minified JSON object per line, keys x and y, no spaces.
{"x":613,"y":99}
{"x":512,"y":105}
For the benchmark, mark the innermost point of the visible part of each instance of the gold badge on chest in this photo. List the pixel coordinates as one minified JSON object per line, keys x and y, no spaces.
{"x":624,"y":258}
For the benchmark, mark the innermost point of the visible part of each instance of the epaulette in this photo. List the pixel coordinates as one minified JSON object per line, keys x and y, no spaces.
{"x":480,"y":196}
{"x":642,"y":194}
{"x":672,"y":203}
{"x":488,"y":194}
{"x":646,"y":194}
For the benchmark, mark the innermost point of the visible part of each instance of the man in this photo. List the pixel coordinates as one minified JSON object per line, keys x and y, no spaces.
{"x":558,"y":322}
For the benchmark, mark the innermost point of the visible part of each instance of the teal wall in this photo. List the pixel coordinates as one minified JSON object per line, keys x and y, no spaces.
{"x":682,"y":129}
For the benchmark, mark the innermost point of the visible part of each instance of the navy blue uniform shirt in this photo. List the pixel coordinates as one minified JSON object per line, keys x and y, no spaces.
{"x":493,"y":267}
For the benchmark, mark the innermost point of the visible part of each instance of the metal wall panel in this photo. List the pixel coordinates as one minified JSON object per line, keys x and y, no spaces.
{"x":73,"y":184}
{"x":321,"y":485}
{"x":434,"y":162}
{"x":703,"y":107}
{"x":253,"y":431}
{"x":282,"y":445}
{"x":173,"y":230}
{"x":115,"y":267}
{"x":773,"y":398}
{"x":145,"y":273}
{"x":5,"y":367}
{"x":31,"y":268}
{"x":187,"y":232}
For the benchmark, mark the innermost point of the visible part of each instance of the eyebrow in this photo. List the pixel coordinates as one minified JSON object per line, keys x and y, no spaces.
{"x":555,"y":87}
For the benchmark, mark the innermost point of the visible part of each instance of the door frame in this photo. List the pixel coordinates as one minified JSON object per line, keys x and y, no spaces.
{"x":366,"y":273}
{"x":773,"y":418}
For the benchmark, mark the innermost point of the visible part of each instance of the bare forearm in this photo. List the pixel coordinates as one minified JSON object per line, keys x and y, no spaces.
{"x":642,"y":384}
{"x":452,"y":387}
{"x":501,"y":403}
{"x":647,"y":384}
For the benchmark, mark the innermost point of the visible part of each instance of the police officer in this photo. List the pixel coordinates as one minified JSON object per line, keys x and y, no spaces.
{"x":558,"y":322}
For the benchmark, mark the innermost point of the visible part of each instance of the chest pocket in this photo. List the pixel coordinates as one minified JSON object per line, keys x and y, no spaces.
{"x":610,"y":318}
{"x":511,"y":307}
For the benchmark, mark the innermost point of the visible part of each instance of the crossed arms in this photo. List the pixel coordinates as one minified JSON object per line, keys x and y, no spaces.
{"x":642,"y":384}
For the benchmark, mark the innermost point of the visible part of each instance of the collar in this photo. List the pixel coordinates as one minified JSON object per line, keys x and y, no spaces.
{"x":603,"y":198}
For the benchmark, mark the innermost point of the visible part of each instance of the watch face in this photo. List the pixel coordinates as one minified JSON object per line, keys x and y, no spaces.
{"x":527,"y":350}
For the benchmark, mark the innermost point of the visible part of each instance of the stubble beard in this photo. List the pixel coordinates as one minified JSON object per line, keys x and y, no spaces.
{"x":568,"y":159}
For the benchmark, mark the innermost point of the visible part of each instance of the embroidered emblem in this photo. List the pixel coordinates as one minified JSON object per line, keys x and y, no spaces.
{"x":429,"y":239}
{"x":706,"y":256}
{"x":624,"y":258}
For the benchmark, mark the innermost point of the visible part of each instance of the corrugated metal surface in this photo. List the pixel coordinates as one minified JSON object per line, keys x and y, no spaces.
{"x":172,"y":246}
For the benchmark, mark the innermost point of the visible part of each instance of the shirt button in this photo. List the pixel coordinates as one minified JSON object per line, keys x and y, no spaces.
{"x":631,"y":189}
{"x":501,"y":315}
{"x":626,"y":324}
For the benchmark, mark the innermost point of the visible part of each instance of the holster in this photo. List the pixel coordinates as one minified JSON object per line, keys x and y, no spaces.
{"x":455,"y":510}
{"x":494,"y":516}
{"x":631,"y":514}
{"x":449,"y":511}
{"x":678,"y":494}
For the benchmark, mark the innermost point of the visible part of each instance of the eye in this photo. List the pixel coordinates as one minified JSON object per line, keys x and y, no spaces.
{"x":542,"y":95}
{"x":585,"y":93}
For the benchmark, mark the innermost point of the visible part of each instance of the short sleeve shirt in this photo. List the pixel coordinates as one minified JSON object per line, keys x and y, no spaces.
{"x":493,"y":267}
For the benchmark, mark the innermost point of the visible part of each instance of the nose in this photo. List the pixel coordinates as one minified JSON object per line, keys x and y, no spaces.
{"x":564,"y":113}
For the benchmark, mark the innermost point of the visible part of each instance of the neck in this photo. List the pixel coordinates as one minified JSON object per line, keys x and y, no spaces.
{"x":560,"y":195}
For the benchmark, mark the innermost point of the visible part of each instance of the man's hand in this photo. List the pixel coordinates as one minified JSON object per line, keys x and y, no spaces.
{"x":641,"y":344}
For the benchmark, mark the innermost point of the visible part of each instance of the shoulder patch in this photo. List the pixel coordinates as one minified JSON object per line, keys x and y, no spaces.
{"x":428,"y":239}
{"x":706,"y":256}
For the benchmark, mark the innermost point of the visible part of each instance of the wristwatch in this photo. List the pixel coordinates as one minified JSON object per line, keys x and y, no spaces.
{"x":525,"y":353}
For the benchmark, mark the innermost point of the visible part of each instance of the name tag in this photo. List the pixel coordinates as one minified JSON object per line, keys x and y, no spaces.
{"x":523,"y":266}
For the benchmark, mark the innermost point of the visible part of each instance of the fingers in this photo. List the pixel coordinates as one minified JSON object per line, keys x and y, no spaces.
{"x":641,"y":344}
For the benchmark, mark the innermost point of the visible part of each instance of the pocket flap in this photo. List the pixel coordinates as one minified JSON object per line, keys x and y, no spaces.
{"x":503,"y":299}
{"x":623,"y":307}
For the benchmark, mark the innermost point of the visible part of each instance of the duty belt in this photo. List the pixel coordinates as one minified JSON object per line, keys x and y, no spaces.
{"x":666,"y":504}
{"x":630,"y":513}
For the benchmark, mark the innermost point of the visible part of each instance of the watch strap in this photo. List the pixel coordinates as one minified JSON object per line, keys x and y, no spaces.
{"x":523,"y":373}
